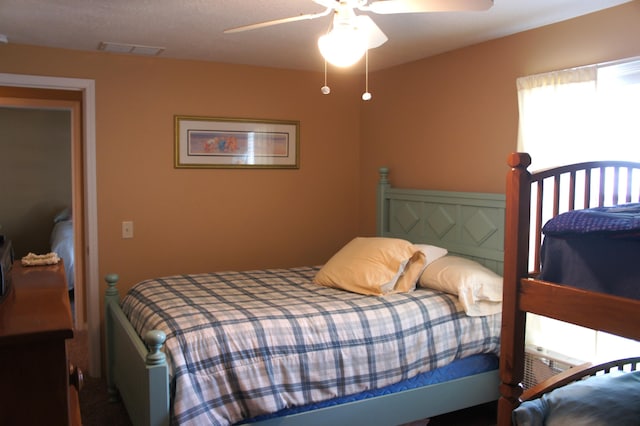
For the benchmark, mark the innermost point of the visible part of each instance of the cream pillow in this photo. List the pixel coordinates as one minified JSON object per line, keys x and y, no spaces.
{"x":432,"y":252}
{"x":374,"y":266}
{"x":478,"y":288}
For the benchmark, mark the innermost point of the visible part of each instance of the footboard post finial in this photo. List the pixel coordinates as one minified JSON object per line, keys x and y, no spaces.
{"x":112,"y":281}
{"x":154,"y":340}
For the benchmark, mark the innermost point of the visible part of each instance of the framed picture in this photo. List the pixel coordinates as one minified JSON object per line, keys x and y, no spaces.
{"x":205,"y":142}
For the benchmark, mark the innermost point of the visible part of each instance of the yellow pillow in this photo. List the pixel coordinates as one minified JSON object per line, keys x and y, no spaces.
{"x":374,"y":265}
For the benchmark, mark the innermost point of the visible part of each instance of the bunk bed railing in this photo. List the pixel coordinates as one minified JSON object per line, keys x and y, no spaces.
{"x":571,"y":187}
{"x":531,"y":200}
{"x":580,"y":372}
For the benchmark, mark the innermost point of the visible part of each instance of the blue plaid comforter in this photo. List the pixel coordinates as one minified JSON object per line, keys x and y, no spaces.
{"x":241,"y":344}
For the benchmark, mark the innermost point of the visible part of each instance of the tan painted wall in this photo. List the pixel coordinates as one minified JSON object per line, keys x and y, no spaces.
{"x":200,"y":220}
{"x":445,"y":122}
{"x":448,"y":122}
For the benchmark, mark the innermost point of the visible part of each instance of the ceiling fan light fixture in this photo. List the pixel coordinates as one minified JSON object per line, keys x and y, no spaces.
{"x":343,"y":46}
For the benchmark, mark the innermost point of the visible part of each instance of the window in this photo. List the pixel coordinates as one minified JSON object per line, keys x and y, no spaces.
{"x":581,"y":114}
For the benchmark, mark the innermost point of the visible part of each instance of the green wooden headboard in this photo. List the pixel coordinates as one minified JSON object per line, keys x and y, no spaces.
{"x":468,"y":224}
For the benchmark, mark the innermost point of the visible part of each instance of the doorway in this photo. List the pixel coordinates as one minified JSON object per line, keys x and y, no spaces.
{"x":43,"y":148}
{"x":84,"y":182}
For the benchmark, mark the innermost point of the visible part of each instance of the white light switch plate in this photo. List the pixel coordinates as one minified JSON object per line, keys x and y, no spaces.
{"x":127,"y":229}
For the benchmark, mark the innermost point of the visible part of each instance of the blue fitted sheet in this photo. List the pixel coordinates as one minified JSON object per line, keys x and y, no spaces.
{"x":474,"y":364}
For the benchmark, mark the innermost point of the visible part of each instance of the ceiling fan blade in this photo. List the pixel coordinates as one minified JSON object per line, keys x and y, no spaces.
{"x":278,"y":21}
{"x":326,"y":3}
{"x":419,"y":6}
{"x":375,"y":36}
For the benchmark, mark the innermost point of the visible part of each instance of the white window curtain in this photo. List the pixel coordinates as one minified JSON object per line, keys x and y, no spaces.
{"x":557,"y":112}
{"x":581,"y":114}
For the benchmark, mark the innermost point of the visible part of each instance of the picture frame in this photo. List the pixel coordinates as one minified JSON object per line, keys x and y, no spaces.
{"x":213,"y":142}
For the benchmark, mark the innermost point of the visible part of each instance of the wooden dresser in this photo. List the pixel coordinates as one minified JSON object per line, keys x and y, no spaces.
{"x":35,"y":374}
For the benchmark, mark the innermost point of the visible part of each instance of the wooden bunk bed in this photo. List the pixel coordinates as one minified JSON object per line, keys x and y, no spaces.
{"x":532,"y":199}
{"x":469,"y":225}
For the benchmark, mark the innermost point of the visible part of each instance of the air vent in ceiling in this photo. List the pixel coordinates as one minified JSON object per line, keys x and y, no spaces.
{"x":135,"y":49}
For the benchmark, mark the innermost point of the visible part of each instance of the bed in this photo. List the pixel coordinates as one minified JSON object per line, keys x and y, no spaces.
{"x":468,"y":225}
{"x":534,"y":282}
{"x":61,"y":241}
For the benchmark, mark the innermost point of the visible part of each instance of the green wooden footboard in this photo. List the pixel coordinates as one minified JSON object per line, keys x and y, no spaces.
{"x":137,"y":371}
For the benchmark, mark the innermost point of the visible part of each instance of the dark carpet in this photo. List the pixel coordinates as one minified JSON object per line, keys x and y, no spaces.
{"x":95,"y":407}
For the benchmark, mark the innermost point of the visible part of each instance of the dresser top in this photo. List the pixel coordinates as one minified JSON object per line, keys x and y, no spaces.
{"x":37,"y":306}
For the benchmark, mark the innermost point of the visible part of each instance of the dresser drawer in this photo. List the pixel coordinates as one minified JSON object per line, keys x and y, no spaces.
{"x":35,"y":323}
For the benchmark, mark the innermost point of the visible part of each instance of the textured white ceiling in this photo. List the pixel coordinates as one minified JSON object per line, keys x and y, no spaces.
{"x":193,"y":29}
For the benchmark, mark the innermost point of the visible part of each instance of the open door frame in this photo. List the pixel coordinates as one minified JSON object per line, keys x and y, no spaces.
{"x":91,"y":270}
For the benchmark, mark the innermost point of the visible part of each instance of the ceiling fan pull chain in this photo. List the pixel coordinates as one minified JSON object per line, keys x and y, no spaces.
{"x":366,"y":95}
{"x":325,"y":89}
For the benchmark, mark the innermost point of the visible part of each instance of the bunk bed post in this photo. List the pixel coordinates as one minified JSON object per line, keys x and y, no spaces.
{"x":518,"y":193}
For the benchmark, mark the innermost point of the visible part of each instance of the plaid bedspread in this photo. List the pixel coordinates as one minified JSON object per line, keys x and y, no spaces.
{"x":241,"y":344}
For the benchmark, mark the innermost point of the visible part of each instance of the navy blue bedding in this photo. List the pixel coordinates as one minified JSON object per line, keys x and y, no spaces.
{"x":594,"y":249}
{"x":622,"y":221}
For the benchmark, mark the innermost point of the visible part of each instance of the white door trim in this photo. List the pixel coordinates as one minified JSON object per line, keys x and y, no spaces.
{"x":92,"y":285}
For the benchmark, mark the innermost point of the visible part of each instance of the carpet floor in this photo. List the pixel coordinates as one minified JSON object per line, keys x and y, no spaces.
{"x":95,"y":407}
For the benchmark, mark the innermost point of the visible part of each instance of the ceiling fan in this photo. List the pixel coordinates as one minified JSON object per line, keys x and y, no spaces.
{"x":359,"y":30}
{"x":350,"y":36}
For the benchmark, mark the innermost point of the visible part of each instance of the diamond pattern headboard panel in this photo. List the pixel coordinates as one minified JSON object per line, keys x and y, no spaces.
{"x":468,"y":224}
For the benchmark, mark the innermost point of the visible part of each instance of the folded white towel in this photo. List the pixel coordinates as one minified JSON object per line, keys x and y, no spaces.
{"x":33,"y":259}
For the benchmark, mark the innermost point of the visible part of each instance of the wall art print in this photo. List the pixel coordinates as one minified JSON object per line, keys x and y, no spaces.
{"x":207,"y":142}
